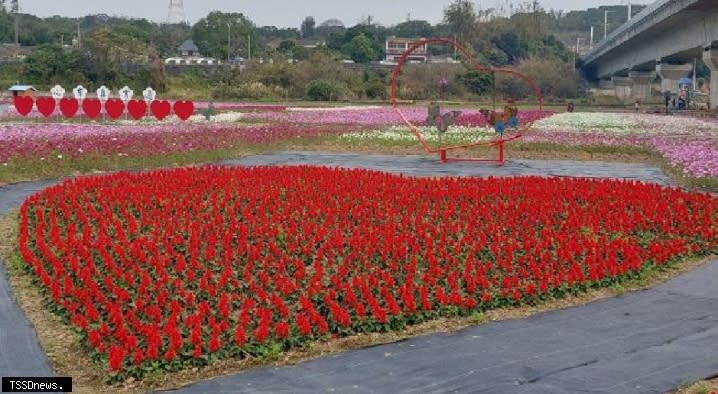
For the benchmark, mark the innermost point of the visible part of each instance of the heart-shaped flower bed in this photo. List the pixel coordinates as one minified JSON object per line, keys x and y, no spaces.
{"x":178,"y":267}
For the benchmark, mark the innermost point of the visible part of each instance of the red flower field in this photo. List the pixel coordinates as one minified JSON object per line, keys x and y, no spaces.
{"x":172,"y":268}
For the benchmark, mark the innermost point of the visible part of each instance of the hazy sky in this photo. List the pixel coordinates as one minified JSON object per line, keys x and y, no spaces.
{"x":283,"y":13}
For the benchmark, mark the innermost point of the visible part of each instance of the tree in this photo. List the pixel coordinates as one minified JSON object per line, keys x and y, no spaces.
{"x":307,"y":28}
{"x":50,"y":64}
{"x":360,"y":49}
{"x":511,"y":45}
{"x":321,"y":90}
{"x":167,"y":37}
{"x":212,"y":33}
{"x":286,"y":46}
{"x":461,"y":16}
{"x":412,"y":29}
{"x":477,"y":82}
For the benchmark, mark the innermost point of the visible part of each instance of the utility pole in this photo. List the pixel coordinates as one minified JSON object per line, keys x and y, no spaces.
{"x":630,"y":14}
{"x":249,"y":46}
{"x":591,"y":43}
{"x":15,"y":9}
{"x":79,"y":35}
{"x":575,"y":53}
{"x":605,"y":23}
{"x":229,"y":42}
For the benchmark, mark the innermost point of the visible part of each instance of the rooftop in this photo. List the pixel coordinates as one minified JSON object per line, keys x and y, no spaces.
{"x":188,"y":46}
{"x":21,"y":88}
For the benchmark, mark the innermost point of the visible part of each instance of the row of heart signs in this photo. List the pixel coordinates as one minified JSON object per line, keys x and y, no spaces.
{"x":114,"y":108}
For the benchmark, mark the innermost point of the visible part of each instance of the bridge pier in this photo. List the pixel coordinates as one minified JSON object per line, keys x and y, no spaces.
{"x":670,"y":74}
{"x":622,"y":86}
{"x":710,"y":58}
{"x":642,"y":83}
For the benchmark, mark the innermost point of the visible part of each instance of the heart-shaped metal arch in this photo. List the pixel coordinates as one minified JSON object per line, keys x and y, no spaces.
{"x":478,"y":67}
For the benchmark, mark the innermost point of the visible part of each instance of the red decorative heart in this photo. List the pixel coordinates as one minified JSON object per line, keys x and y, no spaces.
{"x":470,"y":62}
{"x":137,"y":109}
{"x":69,"y":107}
{"x":23,"y":105}
{"x":46,"y":106}
{"x":184,"y":109}
{"x":91,"y":107}
{"x":114,"y":108}
{"x":160,"y":109}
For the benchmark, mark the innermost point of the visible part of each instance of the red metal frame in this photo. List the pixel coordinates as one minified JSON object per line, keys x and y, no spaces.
{"x":443,"y":150}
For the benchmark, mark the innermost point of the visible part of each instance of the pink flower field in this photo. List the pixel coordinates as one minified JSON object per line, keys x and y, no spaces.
{"x":687,"y":143}
{"x":377,"y":116}
{"x":22,"y":140}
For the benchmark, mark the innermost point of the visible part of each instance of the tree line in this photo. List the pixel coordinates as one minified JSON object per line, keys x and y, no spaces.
{"x":99,"y":49}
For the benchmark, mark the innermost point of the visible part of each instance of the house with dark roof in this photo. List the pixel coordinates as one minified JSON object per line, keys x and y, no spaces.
{"x":188,"y":49}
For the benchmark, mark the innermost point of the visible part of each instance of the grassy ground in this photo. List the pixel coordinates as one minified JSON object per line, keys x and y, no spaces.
{"x":69,"y":357}
{"x":702,"y":387}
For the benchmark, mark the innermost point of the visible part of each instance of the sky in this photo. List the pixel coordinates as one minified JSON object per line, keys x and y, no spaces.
{"x":284,"y":13}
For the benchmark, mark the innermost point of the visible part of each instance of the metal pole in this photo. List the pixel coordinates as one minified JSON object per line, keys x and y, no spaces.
{"x":17,"y":28}
{"x":249,"y":46}
{"x":229,"y":42}
{"x":629,"y":10}
{"x":605,"y":23}
{"x":591,"y":45}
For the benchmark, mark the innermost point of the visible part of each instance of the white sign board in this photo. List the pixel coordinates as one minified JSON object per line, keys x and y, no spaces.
{"x":126,"y":94}
{"x":80,"y":92}
{"x":103,"y":93}
{"x":58,"y":92}
{"x":149,"y":94}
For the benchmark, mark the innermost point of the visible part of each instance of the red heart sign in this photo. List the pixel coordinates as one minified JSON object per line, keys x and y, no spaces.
{"x":91,"y":107}
{"x":160,"y":109}
{"x":184,"y":109}
{"x":69,"y":107}
{"x":114,"y":108}
{"x":137,"y":109}
{"x":23,"y":105}
{"x":46,"y":106}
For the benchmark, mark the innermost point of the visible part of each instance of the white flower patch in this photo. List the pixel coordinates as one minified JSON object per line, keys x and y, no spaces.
{"x":400,"y":134}
{"x":224,"y":117}
{"x":589,"y":121}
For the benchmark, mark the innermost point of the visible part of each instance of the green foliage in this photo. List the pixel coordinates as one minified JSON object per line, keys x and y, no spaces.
{"x":461,"y":16}
{"x":360,"y":49}
{"x":9,"y":74}
{"x":476,"y":82}
{"x":510,"y":44}
{"x":413,"y":29}
{"x":212,"y":34}
{"x":555,"y":79}
{"x":321,"y":90}
{"x":346,"y":44}
{"x":50,"y":64}
{"x":287,"y":46}
{"x":376,"y":90}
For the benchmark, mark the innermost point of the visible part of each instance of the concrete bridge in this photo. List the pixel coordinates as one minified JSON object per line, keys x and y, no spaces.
{"x":660,"y":42}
